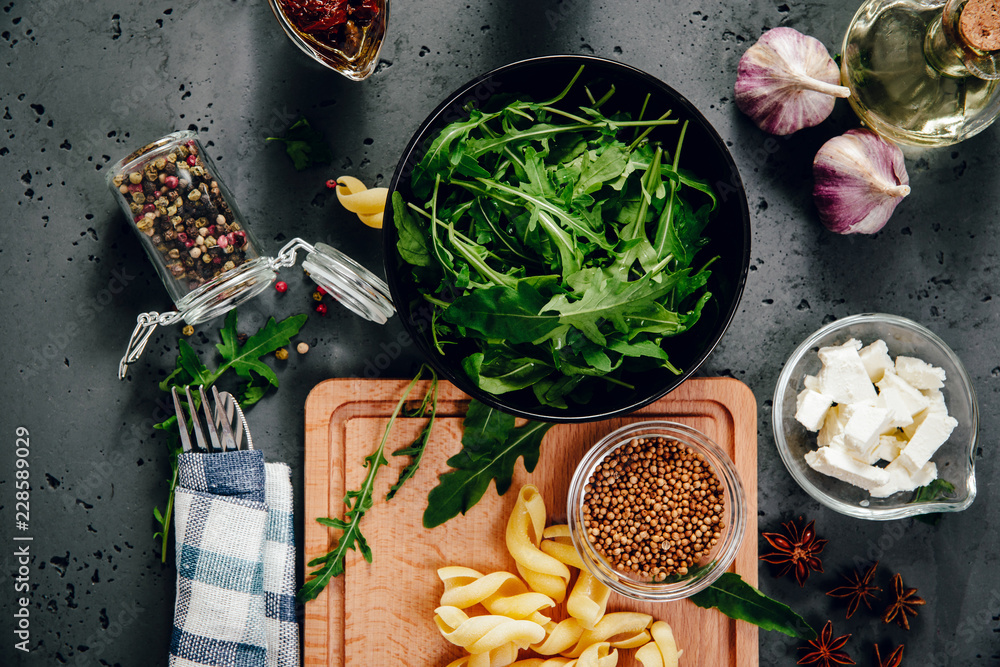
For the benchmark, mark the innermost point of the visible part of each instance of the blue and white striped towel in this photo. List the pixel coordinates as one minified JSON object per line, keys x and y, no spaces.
{"x":235,"y":563}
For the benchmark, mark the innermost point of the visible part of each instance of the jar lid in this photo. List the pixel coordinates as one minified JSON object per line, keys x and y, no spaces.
{"x":354,"y":286}
{"x":357,"y":288}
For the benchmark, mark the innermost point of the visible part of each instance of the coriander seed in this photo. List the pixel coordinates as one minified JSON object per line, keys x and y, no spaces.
{"x":653,"y":508}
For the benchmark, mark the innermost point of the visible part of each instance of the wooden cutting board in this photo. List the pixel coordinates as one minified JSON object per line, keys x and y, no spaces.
{"x":382,"y":613}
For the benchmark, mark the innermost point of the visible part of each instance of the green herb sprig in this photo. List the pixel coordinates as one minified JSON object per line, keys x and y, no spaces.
{"x":359,"y":501}
{"x":305,"y":145}
{"x":491,"y":446}
{"x":246,"y":360}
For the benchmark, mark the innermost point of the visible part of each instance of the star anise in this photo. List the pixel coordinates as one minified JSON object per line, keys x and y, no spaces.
{"x":906,"y":603}
{"x":798,"y":550}
{"x":895,"y":658}
{"x":858,"y":589}
{"x":824,"y":651}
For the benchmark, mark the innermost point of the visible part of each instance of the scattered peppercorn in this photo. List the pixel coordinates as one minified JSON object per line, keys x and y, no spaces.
{"x":281,"y":354}
{"x":321,"y":308}
{"x":188,"y":330}
{"x":317,"y":296}
{"x":320,"y":290}
{"x":281,"y":287}
{"x":331,"y":184}
{"x":302,"y":348}
{"x":654,"y":508}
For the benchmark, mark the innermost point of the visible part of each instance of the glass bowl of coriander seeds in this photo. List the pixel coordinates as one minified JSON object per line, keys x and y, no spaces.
{"x":656,"y":511}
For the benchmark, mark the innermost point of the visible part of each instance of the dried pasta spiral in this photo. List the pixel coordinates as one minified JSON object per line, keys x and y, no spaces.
{"x":542,"y":572}
{"x":502,"y":593}
{"x":559,"y":637}
{"x":482,"y":634}
{"x":662,"y":651}
{"x":588,"y":600}
{"x":596,"y":655}
{"x":626,"y":628}
{"x":367,"y":204}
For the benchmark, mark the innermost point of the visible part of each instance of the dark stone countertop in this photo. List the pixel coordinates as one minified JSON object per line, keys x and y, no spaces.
{"x":82,"y":84}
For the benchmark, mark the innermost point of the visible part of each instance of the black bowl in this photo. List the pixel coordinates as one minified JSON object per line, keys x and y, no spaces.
{"x":704,"y":153}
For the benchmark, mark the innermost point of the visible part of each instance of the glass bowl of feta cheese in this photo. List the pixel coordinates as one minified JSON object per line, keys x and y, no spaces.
{"x":875,"y":417}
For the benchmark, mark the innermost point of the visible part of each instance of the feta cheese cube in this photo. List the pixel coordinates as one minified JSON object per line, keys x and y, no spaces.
{"x":811,"y":382}
{"x":889,"y":447}
{"x":901,"y":479}
{"x":934,"y":431}
{"x":936,"y":399}
{"x":829,"y":461}
{"x":896,"y":402}
{"x":862,"y":430}
{"x":876,"y":359}
{"x":902,"y":397}
{"x":833,"y":426}
{"x":919,"y":373}
{"x":811,"y":408}
{"x":843,"y":377}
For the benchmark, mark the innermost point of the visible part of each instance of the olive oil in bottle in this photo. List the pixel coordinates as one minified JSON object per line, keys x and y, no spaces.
{"x":924,"y":72}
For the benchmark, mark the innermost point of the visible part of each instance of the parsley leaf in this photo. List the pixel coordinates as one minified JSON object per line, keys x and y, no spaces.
{"x":305,"y":145}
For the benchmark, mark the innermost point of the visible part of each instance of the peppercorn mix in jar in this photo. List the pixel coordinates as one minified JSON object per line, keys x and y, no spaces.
{"x":185,"y":217}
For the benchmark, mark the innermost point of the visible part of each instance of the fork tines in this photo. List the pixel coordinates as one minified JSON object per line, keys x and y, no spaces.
{"x":222,"y":417}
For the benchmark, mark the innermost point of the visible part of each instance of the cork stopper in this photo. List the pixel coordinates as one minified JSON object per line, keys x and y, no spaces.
{"x":979,"y":24}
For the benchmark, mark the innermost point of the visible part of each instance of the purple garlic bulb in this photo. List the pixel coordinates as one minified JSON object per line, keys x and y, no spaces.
{"x":787,"y":81}
{"x":860,"y":178}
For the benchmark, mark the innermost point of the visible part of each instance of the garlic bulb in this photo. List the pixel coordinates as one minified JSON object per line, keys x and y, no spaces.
{"x":787,"y":81}
{"x":859,"y":179}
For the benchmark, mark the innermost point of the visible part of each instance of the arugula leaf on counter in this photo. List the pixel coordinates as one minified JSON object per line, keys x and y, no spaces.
{"x":737,"y":599}
{"x":305,"y":145}
{"x":246,"y":360}
{"x":358,"y":502}
{"x":491,"y":446}
{"x":427,"y":408}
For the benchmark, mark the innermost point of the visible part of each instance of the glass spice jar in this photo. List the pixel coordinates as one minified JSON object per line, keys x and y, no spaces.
{"x":202,"y":248}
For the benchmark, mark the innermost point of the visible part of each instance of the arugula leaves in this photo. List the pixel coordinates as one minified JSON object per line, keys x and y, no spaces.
{"x":491,"y":445}
{"x":359,"y":501}
{"x":565,"y":256}
{"x":305,"y":145}
{"x":246,"y":360}
{"x":737,"y":599}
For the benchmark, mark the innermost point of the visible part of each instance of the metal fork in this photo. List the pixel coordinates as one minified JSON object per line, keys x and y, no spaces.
{"x":225,"y":408}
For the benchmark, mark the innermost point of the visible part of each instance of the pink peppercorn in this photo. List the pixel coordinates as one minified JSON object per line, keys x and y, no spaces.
{"x":192,"y":160}
{"x":321,"y":308}
{"x":223,"y":241}
{"x":211,"y":230}
{"x":281,"y":287}
{"x":321,"y":291}
{"x":135,"y":187}
{"x":171,"y":182}
{"x":331,"y":184}
{"x":148,"y":208}
{"x":182,"y":237}
{"x":189,"y":244}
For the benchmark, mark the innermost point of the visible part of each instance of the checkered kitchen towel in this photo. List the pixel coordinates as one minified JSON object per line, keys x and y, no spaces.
{"x":235,"y":563}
